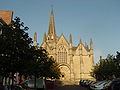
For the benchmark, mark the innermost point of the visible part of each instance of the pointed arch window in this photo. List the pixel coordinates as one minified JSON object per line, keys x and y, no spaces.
{"x":62,"y":55}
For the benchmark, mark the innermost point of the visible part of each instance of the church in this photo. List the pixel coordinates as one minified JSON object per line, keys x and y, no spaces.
{"x":75,"y":62}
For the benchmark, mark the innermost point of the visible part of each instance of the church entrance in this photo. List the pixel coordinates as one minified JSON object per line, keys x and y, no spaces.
{"x":65,"y":73}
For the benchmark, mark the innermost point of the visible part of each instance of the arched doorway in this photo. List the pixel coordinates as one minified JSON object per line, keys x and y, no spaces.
{"x":65,"y":73}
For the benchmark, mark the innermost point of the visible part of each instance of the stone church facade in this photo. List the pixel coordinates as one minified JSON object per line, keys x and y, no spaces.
{"x":75,"y":62}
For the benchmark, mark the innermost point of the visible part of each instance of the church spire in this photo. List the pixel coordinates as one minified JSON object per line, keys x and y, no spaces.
{"x":80,"y":42}
{"x":51,"y":30}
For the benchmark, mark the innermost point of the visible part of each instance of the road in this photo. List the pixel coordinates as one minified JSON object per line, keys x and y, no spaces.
{"x":70,"y":87}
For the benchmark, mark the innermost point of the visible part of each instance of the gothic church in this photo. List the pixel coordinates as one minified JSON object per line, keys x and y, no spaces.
{"x":75,"y":62}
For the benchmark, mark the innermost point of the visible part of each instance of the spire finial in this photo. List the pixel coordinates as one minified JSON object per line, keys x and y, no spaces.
{"x":91,"y":44}
{"x":80,"y":41}
{"x":52,"y":6}
{"x":51,"y":9}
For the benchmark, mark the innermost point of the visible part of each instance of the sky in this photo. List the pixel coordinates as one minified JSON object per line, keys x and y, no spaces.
{"x":84,"y":19}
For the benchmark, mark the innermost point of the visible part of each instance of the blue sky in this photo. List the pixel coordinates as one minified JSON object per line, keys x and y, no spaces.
{"x":85,"y":19}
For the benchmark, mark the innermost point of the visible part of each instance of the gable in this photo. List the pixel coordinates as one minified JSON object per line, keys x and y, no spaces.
{"x":62,"y":41}
{"x":84,"y":50}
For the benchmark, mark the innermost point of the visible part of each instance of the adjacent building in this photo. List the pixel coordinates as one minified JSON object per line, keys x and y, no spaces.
{"x":5,"y":17}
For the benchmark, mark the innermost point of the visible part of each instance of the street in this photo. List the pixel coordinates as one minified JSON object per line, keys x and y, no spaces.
{"x":70,"y":87}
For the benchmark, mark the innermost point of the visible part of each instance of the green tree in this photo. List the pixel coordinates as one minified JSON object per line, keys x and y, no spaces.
{"x":15,"y":48}
{"x":105,"y":68}
{"x":18,"y":55}
{"x":45,"y":66}
{"x":117,"y":64}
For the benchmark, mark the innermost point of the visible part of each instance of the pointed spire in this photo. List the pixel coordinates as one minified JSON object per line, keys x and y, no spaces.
{"x":91,"y":44}
{"x":86,"y":46}
{"x":80,"y":41}
{"x":51,"y":30}
{"x":35,"y":39}
{"x":45,"y":37}
{"x":70,"y":38}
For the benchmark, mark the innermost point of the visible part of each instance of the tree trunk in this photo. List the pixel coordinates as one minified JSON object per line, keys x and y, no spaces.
{"x":20,"y":80}
{"x":2,"y":80}
{"x":35,"y":82}
{"x":5,"y":80}
{"x":12,"y":81}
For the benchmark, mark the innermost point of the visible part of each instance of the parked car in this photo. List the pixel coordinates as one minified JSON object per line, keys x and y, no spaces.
{"x":99,"y":85}
{"x":90,"y":83}
{"x":86,"y":83}
{"x":30,"y":84}
{"x":50,"y":84}
{"x":14,"y":87}
{"x":113,"y":85}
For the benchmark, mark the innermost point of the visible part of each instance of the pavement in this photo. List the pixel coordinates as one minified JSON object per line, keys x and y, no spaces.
{"x":70,"y":87}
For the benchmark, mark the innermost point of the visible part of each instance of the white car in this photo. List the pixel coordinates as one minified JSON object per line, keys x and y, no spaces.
{"x":99,"y":85}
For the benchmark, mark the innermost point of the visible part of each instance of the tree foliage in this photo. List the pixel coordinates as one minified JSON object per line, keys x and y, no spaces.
{"x":15,"y":45}
{"x":18,"y":55}
{"x":108,"y":68}
{"x":45,"y":66}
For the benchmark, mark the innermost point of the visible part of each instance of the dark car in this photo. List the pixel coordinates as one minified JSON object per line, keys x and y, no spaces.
{"x":30,"y":84}
{"x":113,"y":85}
{"x":50,"y":84}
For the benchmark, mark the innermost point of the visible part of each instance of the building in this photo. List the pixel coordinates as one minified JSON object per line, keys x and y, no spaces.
{"x":6,"y":17}
{"x":75,"y":62}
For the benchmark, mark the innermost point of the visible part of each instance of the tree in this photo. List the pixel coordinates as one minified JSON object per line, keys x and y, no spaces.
{"x":18,"y":55}
{"x":15,"y":47}
{"x":45,"y":66}
{"x":106,"y":68}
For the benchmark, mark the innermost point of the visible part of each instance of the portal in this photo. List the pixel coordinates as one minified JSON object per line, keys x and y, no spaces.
{"x":65,"y":73}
